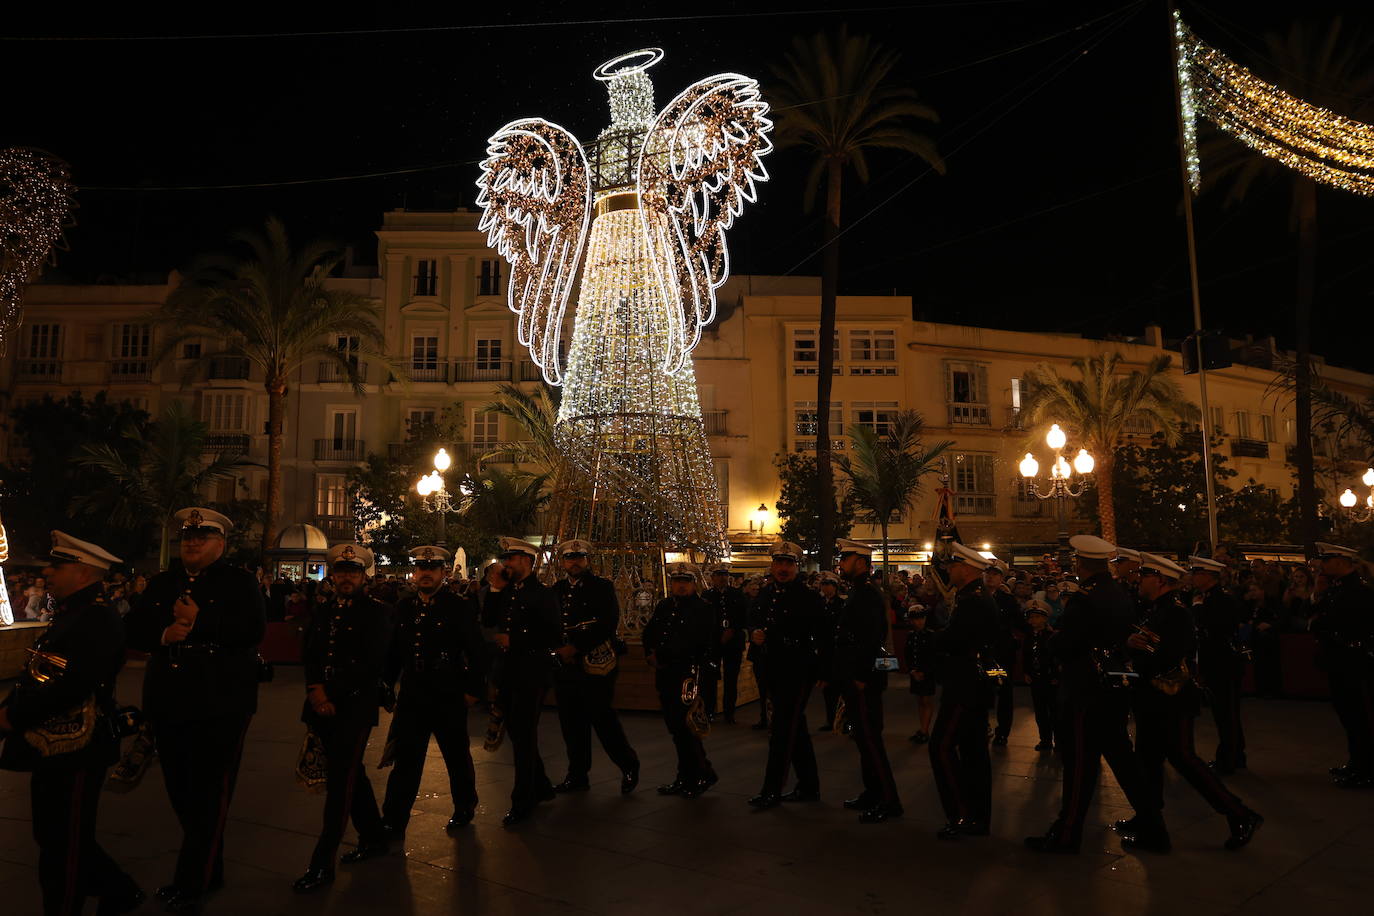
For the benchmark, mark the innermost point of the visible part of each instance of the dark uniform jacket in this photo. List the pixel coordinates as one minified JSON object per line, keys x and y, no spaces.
{"x":792,"y":617}
{"x":589,"y":615}
{"x":860,"y":637}
{"x":920,"y":651}
{"x":214,"y":671}
{"x":1010,"y":621}
{"x":346,"y":648}
{"x":1037,"y":658}
{"x":1343,"y":620}
{"x":1096,"y":617}
{"x":438,"y":645}
{"x":972,"y":633}
{"x":1172,"y":621}
{"x":731,"y":609}
{"x":1218,"y":617}
{"x":87,"y":632}
{"x":681,"y":633}
{"x":527,"y":611}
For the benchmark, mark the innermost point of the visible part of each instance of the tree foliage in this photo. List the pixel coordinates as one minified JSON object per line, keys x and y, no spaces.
{"x":798,"y":501}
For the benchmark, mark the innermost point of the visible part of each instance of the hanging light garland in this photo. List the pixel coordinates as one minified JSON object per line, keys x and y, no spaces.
{"x":1314,"y":141}
{"x":36,"y":198}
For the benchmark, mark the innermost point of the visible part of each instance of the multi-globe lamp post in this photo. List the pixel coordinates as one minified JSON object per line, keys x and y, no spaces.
{"x":1350,"y":507}
{"x":434,"y":495}
{"x":1061,"y":486}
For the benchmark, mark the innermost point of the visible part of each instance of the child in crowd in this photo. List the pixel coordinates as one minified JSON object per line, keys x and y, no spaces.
{"x":1040,"y":670}
{"x":920,"y":663}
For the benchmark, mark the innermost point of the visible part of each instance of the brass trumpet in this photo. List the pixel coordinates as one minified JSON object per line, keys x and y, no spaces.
{"x":45,"y":666}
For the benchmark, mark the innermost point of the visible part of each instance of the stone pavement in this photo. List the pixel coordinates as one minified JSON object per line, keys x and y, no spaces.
{"x":600,"y":853}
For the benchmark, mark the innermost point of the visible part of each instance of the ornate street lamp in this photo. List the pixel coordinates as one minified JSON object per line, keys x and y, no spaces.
{"x":1061,"y":486}
{"x":434,"y":495}
{"x":1349,"y":501}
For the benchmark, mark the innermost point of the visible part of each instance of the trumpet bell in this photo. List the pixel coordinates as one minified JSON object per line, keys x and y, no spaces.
{"x":45,"y":666}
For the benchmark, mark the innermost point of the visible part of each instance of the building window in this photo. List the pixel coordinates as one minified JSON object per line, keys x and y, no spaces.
{"x":876,"y":415}
{"x":226,"y":490}
{"x":190,"y":350}
{"x":348,"y":346}
{"x":417,"y":419}
{"x":331,"y":495}
{"x":1267,"y":427}
{"x":343,"y":427}
{"x":1218,"y":421}
{"x":1290,"y":430}
{"x":224,"y":412}
{"x":975,"y":489}
{"x":489,"y":281}
{"x":966,"y":393}
{"x":805,"y":358}
{"x":1242,"y":424}
{"x":424,"y":351}
{"x":486,"y":429}
{"x":133,"y":341}
{"x":804,"y":418}
{"x":869,"y":347}
{"x":426,"y":277}
{"x":44,"y":341}
{"x":488,"y":353}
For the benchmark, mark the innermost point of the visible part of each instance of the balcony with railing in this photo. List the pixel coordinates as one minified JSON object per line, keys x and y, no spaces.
{"x":837,"y":443}
{"x":715,"y":422}
{"x":969,"y":415}
{"x":131,"y":370}
{"x":340,"y":450}
{"x":1015,"y":418}
{"x":38,"y":370}
{"x":227,"y":443}
{"x":1249,"y":448}
{"x":529,"y":372}
{"x":331,"y":371}
{"x":975,"y":503}
{"x":336,"y":527}
{"x":228,"y":367}
{"x":479,"y":369}
{"x":428,"y":370}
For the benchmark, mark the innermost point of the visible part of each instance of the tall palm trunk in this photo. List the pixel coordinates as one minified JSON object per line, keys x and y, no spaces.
{"x":887,"y":562}
{"x":276,"y":414}
{"x":1305,"y":210}
{"x":1106,"y":493}
{"x":825,"y":364}
{"x":164,"y":553}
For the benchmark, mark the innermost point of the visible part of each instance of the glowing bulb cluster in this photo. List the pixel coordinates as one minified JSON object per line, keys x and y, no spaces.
{"x":1314,"y":141}
{"x":35,"y":202}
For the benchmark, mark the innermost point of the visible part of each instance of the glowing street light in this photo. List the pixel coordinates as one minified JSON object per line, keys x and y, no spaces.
{"x":1061,"y":486}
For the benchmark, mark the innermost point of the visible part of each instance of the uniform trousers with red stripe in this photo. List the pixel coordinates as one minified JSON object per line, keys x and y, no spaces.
{"x":1092,"y":728}
{"x":789,"y":743}
{"x":200,"y":766}
{"x":71,"y":864}
{"x":348,"y":792}
{"x":422,"y":711}
{"x":692,"y":763}
{"x":864,"y":712}
{"x":1164,"y":731}
{"x":961,"y":763}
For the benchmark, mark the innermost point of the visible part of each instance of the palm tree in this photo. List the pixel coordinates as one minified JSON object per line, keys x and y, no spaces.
{"x":1331,"y":70}
{"x":274,"y":308}
{"x":885,"y":470}
{"x":162,"y":473}
{"x":1100,"y":404}
{"x":536,"y":415}
{"x":504,"y":502}
{"x":835,"y":100}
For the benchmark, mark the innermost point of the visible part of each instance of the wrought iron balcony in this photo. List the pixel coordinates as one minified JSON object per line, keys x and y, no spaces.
{"x":228,"y":367}
{"x":39,"y":370}
{"x":428,"y":370}
{"x":969,"y":415}
{"x":131,"y":370}
{"x":336,"y":527}
{"x":482,"y":370}
{"x":332,"y":372}
{"x":1249,"y":448}
{"x":715,"y":422}
{"x":340,"y":450}
{"x":231,"y":443}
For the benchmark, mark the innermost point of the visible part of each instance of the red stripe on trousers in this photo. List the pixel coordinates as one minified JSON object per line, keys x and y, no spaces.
{"x":951,"y":773}
{"x":1075,"y":797}
{"x":889,"y":790}
{"x":217,"y":840}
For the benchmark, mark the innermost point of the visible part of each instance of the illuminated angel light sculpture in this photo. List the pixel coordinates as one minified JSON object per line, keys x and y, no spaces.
{"x":35,"y":202}
{"x":641,"y":223}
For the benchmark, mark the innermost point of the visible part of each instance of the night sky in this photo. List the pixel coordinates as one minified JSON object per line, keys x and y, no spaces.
{"x":1060,"y":209}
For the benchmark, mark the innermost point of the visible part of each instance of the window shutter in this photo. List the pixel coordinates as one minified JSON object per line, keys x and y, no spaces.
{"x":981,"y":395}
{"x":948,"y":368}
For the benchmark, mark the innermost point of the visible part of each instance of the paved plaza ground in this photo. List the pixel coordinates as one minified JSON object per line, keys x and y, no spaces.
{"x":600,"y":853}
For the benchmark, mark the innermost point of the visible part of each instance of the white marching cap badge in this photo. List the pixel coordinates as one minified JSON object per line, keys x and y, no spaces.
{"x":195,"y":518}
{"x":430,"y":553}
{"x":576,"y":545}
{"x":349,"y":555}
{"x":1166,"y":567}
{"x":962,"y":554}
{"x":1092,"y":547}
{"x":67,"y":549}
{"x":509,"y":545}
{"x":1330,"y":551}
{"x":785,"y":550}
{"x":1205,"y":564}
{"x":681,"y":570}
{"x":847,"y":546}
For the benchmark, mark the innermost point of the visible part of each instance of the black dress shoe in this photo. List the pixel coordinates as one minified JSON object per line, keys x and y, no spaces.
{"x":166,"y":892}
{"x":127,"y":902}
{"x":802,"y":795}
{"x":765,"y":800}
{"x":373,"y":850}
{"x":710,"y":780}
{"x":629,"y":780}
{"x":919,"y":738}
{"x":1156,"y":840}
{"x":999,"y":740}
{"x":672,"y":788}
{"x":547,"y":793}
{"x":858,"y":803}
{"x":1355,"y":780}
{"x":948,"y":832}
{"x":1050,"y":844}
{"x":879,"y":813}
{"x":1243,"y":829}
{"x":182,"y":904}
{"x":515,"y":816}
{"x":572,"y":785}
{"x":313,"y":880}
{"x":1341,"y":770}
{"x":461,"y":818}
{"x":1220,"y":768}
{"x":969,"y":827}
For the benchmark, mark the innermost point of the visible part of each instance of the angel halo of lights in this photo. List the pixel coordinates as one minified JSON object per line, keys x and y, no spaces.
{"x":636,"y":221}
{"x":36,"y":200}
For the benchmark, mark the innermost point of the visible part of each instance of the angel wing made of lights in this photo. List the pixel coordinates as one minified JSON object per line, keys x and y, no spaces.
{"x":699,"y":165}
{"x":536,"y":200}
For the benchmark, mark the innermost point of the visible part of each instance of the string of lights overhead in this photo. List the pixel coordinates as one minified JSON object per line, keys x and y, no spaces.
{"x":1314,"y":141}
